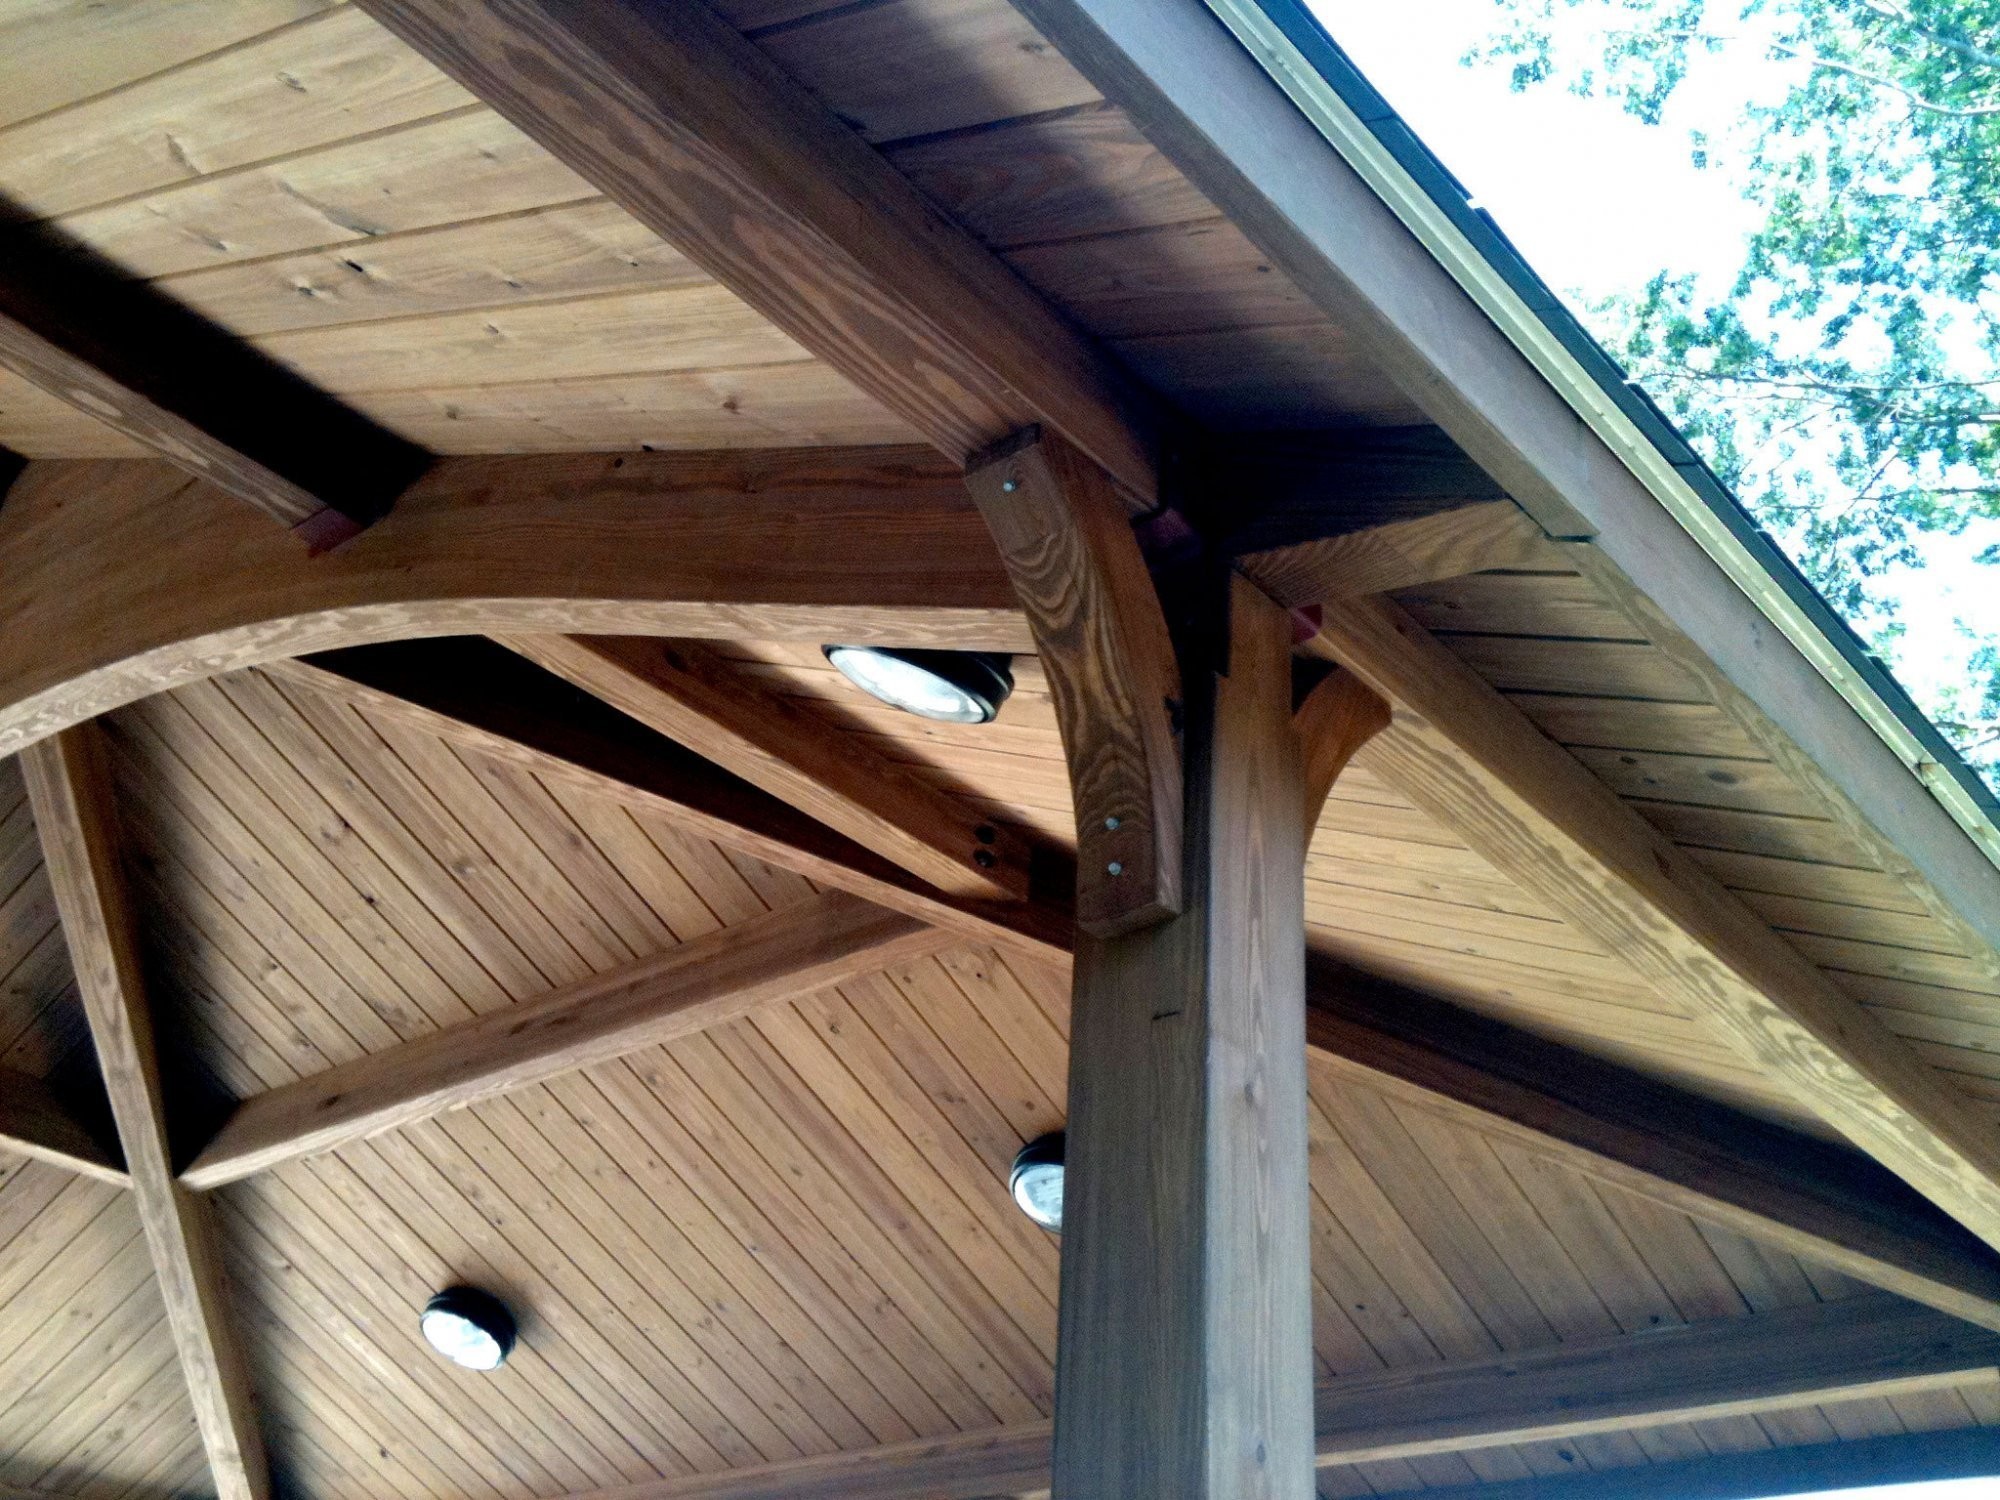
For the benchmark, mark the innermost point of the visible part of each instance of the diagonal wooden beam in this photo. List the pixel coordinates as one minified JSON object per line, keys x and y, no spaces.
{"x":1812,"y":1198}
{"x":699,"y":699}
{"x":1473,"y":761}
{"x":492,"y":702}
{"x":1732,"y":1367}
{"x":1109,"y":660}
{"x":131,"y":357}
{"x":38,"y":1122}
{"x":713,"y":979}
{"x":70,"y":792}
{"x":679,"y":119}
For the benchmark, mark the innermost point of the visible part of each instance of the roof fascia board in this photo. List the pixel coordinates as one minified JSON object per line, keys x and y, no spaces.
{"x":1625,"y":420}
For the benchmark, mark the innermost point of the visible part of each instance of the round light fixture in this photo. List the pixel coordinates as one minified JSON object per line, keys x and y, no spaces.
{"x":958,"y":687}
{"x":1037,"y":1180}
{"x":469,"y":1327}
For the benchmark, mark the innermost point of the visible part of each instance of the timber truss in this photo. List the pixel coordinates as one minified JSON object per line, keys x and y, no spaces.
{"x":1214,"y":661}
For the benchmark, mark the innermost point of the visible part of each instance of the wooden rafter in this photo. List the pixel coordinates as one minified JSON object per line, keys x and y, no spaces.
{"x":70,"y":792}
{"x":705,"y":982}
{"x":1109,"y":660}
{"x":1815,"y":1200}
{"x":699,"y":699}
{"x":491,"y":701}
{"x":1472,"y":760}
{"x":679,"y":119}
{"x":103,"y":606}
{"x":1732,"y":1367}
{"x":38,"y":1122}
{"x":1731,"y":1170}
{"x":142,"y":364}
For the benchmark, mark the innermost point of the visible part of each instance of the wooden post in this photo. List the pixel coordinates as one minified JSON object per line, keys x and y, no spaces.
{"x":1186,"y":1326}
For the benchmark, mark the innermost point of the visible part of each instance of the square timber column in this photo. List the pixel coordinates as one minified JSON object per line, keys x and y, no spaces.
{"x":1185,"y":1358}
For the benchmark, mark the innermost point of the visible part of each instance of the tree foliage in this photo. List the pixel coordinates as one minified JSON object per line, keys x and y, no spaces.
{"x":1844,"y":382}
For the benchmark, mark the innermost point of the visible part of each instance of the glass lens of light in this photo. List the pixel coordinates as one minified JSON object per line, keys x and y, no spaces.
{"x":1039,"y":1191}
{"x":462,"y":1341}
{"x":907,"y":685}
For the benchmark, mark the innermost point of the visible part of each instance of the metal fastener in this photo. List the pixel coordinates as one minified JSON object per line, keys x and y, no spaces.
{"x":1110,"y":825}
{"x":1114,"y":868}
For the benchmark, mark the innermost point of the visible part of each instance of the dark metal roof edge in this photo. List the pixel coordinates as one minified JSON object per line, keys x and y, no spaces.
{"x":1317,"y":47}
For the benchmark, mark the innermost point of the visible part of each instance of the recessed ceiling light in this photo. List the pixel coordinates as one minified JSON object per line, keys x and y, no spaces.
{"x":958,"y":687}
{"x":1037,"y":1180}
{"x":469,"y":1327}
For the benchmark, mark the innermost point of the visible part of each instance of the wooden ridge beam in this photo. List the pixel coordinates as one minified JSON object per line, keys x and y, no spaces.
{"x":100,"y":604}
{"x":705,"y":982}
{"x":134,"y":359}
{"x":1110,"y":664}
{"x":700,"y":700}
{"x":37,"y":1122}
{"x":678,"y":118}
{"x":1473,"y":761}
{"x":70,"y":792}
{"x":490,"y":701}
{"x":1811,"y":1198}
{"x":1730,"y":1367}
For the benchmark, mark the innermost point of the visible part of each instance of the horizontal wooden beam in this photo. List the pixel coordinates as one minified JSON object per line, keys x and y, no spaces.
{"x":1732,"y":1367}
{"x":143,"y":364}
{"x":705,"y":982}
{"x":1400,"y":553}
{"x":492,"y":702}
{"x":70,"y":791}
{"x":38,"y":1122}
{"x":701,"y":700}
{"x":1473,"y":761}
{"x":674,"y":115}
{"x":1809,"y":1197}
{"x":102,"y":604}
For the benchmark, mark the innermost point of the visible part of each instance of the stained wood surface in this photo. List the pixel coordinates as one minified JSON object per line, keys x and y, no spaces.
{"x":1478,"y":764}
{"x":69,"y":787}
{"x":1110,"y":668}
{"x":511,"y":714}
{"x":684,"y":990}
{"x":38,"y":1122}
{"x":717,"y":149}
{"x":109,"y":609}
{"x":1720,"y":1166}
{"x":1185,"y":1279}
{"x":1338,"y":715}
{"x":697,"y":699}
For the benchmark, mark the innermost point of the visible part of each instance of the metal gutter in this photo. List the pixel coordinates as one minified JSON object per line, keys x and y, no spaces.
{"x":1291,"y":46}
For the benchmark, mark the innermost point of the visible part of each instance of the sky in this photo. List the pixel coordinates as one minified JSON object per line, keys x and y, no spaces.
{"x":1598,"y":203}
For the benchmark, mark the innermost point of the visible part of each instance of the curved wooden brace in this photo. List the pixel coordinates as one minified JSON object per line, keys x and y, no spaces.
{"x":122,"y":579}
{"x":1065,"y":536}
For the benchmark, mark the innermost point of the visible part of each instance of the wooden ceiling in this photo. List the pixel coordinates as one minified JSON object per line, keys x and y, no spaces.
{"x":789,"y":1235}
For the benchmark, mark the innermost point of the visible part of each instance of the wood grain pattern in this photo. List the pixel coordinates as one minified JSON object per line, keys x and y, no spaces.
{"x":1185,"y":1359}
{"x":103,"y":608}
{"x":699,"y":700}
{"x":1620,"y":1127}
{"x":1339,"y":715}
{"x":673,"y":115}
{"x":1465,"y":755}
{"x":703,"y":983}
{"x":37,"y":1122}
{"x":1729,"y":1367}
{"x":1399,"y":553}
{"x":1110,"y":664}
{"x":472,"y":699}
{"x":71,"y":792}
